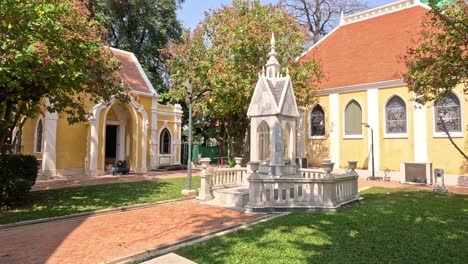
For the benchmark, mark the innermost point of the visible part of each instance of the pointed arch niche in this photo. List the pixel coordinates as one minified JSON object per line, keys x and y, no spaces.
{"x":263,"y":135}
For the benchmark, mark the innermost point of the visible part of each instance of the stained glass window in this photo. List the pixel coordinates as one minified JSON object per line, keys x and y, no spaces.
{"x":353,"y":119}
{"x":317,"y":121}
{"x":165,"y":142}
{"x":395,"y":116}
{"x":448,"y":110}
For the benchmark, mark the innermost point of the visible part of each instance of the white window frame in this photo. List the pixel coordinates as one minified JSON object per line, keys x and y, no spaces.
{"x":456,"y":134}
{"x":394,"y":135}
{"x":310,"y":124}
{"x":41,"y":119}
{"x":352,"y":136}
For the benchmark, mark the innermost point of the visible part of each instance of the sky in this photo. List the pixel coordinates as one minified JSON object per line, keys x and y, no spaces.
{"x":193,"y":11}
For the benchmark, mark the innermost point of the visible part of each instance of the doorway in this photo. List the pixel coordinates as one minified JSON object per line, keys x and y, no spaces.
{"x":112,"y":134}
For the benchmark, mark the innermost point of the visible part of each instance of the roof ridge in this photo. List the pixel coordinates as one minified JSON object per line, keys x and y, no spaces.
{"x":381,"y":10}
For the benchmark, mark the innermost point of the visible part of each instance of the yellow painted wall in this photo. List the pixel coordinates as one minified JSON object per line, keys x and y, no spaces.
{"x":353,"y":149}
{"x":441,"y":152}
{"x":318,"y":149}
{"x":395,"y":150}
{"x":71,"y":144}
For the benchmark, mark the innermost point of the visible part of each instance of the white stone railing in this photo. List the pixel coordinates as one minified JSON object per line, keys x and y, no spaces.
{"x":218,"y":178}
{"x":221,"y":178}
{"x":316,"y":190}
{"x":312,"y":173}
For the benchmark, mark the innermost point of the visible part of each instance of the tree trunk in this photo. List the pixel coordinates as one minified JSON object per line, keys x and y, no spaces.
{"x":451,"y":140}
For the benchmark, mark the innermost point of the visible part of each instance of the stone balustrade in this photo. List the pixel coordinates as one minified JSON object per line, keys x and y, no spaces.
{"x":311,"y":173}
{"x":315,"y":191}
{"x":228,"y":177}
{"x":211,"y":179}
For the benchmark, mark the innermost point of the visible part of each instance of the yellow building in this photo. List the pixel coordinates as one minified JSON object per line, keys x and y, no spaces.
{"x":362,"y":64}
{"x":144,"y":133}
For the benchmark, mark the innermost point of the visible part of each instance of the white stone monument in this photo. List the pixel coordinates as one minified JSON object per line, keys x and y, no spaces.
{"x":273,"y":115}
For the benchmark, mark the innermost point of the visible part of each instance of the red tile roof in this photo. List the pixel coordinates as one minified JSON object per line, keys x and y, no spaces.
{"x":130,"y":73}
{"x":367,"y":51}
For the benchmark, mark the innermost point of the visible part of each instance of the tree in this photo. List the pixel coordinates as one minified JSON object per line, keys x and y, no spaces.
{"x":321,"y":16}
{"x":51,"y":49}
{"x":440,"y":60}
{"x":142,"y":27}
{"x":226,"y":52}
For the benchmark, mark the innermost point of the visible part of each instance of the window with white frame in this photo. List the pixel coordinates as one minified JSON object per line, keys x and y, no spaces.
{"x":165,"y":142}
{"x":39,"y":136}
{"x":447,"y":112}
{"x":395,"y":116}
{"x":263,"y":133}
{"x":353,"y":119}
{"x":317,"y":122}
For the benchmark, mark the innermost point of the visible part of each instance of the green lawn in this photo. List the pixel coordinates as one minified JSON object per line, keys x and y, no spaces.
{"x":41,"y":204}
{"x":391,"y":226}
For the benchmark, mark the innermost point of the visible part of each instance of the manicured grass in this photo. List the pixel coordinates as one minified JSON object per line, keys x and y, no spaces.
{"x":41,"y":204}
{"x":391,"y":226}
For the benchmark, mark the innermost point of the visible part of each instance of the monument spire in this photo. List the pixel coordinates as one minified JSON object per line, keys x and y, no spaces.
{"x":272,"y":66}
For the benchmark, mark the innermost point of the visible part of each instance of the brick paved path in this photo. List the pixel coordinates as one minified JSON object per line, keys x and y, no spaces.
{"x":108,"y":237}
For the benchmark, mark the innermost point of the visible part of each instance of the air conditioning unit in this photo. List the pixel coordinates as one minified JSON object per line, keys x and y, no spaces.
{"x":416,"y":172}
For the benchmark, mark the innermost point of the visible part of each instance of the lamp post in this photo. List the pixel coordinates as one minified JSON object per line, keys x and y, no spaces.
{"x":188,"y":191}
{"x":373,"y":178}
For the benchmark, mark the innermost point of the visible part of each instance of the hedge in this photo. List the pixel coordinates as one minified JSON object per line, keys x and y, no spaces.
{"x":18,"y":174}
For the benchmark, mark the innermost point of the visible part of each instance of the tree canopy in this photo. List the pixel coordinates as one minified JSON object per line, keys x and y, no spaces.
{"x":50,"y":48}
{"x":142,"y":27}
{"x":440,"y":61}
{"x":225,"y":54}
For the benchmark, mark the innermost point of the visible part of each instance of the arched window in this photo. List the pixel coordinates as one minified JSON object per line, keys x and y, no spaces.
{"x":395,"y":116}
{"x":353,"y":119}
{"x":165,"y":142}
{"x":317,"y":122}
{"x":447,"y":110}
{"x":38,"y":136}
{"x":263,"y":133}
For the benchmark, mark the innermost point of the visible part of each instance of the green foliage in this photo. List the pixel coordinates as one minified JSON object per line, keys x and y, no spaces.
{"x":391,"y":226}
{"x":49,"y":203}
{"x":440,"y":62}
{"x":142,"y":27}
{"x":50,"y":48}
{"x":224,"y":55}
{"x":17,"y":175}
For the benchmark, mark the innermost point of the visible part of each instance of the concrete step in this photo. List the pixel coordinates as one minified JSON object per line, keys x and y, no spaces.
{"x":233,"y":197}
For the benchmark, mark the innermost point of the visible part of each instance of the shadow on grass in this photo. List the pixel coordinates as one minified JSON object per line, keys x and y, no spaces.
{"x":53,"y":242}
{"x":391,"y":226}
{"x":58,"y":202}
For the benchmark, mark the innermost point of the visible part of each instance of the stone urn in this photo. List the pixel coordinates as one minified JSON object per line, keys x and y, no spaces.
{"x":254,"y":165}
{"x":352,"y":164}
{"x":204,"y":162}
{"x":238,"y":162}
{"x":328,"y":166}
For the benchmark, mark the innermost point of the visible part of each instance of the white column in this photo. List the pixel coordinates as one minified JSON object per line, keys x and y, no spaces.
{"x":301,"y":135}
{"x":334,"y":102}
{"x":177,"y":133}
{"x":420,"y":133}
{"x":93,"y":147}
{"x":373,"y":121}
{"x":154,"y":134}
{"x":49,"y":166}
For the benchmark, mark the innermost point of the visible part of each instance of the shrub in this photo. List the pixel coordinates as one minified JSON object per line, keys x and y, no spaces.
{"x":17,"y":175}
